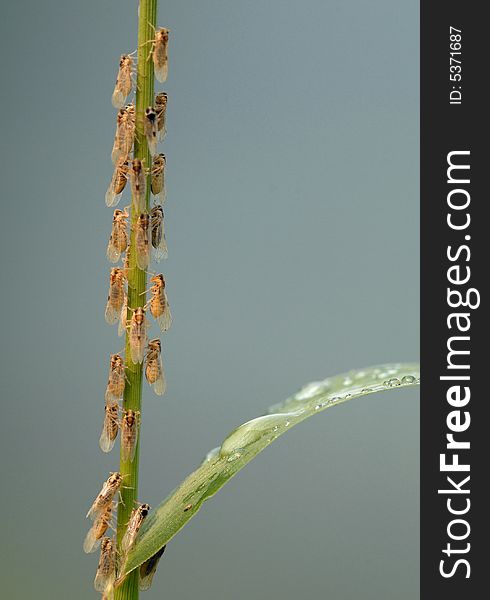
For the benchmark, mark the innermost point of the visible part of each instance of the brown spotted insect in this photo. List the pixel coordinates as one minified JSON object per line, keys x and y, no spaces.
{"x":161,"y":110}
{"x":138,"y":335}
{"x":160,"y":54}
{"x":106,"y":570}
{"x":135,"y":522}
{"x":151,"y":129}
{"x":110,"y":427}
{"x":125,"y":133}
{"x":137,"y":177}
{"x":98,"y":529}
{"x":115,"y":298}
{"x":129,"y":433}
{"x":157,"y":177}
{"x":142,"y":241}
{"x":154,"y":373}
{"x":106,"y":495}
{"x":124,"y":81}
{"x":117,"y":380}
{"x":118,"y":242}
{"x":158,"y":240}
{"x":159,"y":306}
{"x":117,"y":184}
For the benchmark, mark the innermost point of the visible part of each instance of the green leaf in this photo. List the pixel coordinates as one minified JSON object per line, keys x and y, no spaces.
{"x":248,"y":440}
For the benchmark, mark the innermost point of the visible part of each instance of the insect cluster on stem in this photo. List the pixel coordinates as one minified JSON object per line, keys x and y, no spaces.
{"x":137,"y":229}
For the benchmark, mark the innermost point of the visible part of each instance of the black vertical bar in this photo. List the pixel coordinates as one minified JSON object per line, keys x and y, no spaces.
{"x":454,"y":119}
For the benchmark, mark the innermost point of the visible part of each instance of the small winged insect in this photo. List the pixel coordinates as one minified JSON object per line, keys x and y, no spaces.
{"x":118,"y":242}
{"x":159,"y":306}
{"x":151,"y":129}
{"x":158,"y":240}
{"x":106,"y":570}
{"x":148,"y":570}
{"x":126,"y":267}
{"x":138,"y":335}
{"x":124,"y":81}
{"x":117,"y":184}
{"x":137,"y":177}
{"x":142,"y":241}
{"x":115,"y":298}
{"x":117,"y":380}
{"x":125,"y":132}
{"x":110,"y":427}
{"x":135,"y":522}
{"x":129,"y":433}
{"x":106,"y":495}
{"x":161,"y":110}
{"x":154,"y":372}
{"x":160,"y":58}
{"x":98,"y":529}
{"x":157,"y":180}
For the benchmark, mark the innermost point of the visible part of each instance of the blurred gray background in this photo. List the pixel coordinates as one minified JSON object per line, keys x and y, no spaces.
{"x":292,"y":223}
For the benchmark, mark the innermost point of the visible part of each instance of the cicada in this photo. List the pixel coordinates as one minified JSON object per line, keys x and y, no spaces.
{"x":135,"y":522}
{"x":137,"y":176}
{"x":158,"y":240}
{"x":118,"y":242}
{"x":138,"y":335}
{"x":154,"y":372}
{"x":118,"y":183}
{"x":115,"y":298}
{"x":117,"y":380}
{"x":124,"y":81}
{"x":110,"y":427}
{"x":125,"y":132}
{"x":160,"y":58}
{"x":157,"y":180}
{"x":106,"y":495}
{"x":98,"y":529}
{"x":142,"y":241}
{"x":159,"y":306}
{"x":161,"y":110}
{"x":151,"y":129}
{"x":106,"y":570}
{"x":148,"y":570}
{"x":129,"y":433}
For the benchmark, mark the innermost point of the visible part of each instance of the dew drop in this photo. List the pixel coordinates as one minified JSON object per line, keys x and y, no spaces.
{"x":408,"y":379}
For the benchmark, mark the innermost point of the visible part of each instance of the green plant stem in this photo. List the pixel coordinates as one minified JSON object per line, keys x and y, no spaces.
{"x":128,"y":590}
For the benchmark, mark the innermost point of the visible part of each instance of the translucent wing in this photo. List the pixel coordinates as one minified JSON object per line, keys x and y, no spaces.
{"x":105,"y":442}
{"x":121,"y":330}
{"x":91,"y":542}
{"x":160,"y":383}
{"x":148,"y":570}
{"x":103,"y":579}
{"x":112,"y":252}
{"x":165,"y":319}
{"x":118,"y":97}
{"x":113,"y":194}
{"x":137,"y":342}
{"x":111,"y":312}
{"x":142,"y":248}
{"x":161,"y":251}
{"x":137,"y":352}
{"x":129,"y":447}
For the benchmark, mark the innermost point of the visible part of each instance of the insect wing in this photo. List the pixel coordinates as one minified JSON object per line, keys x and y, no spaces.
{"x":121,"y":329}
{"x":165,"y":319}
{"x":148,"y":570}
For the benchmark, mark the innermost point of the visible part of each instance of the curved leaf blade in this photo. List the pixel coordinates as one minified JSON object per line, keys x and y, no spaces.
{"x":248,"y":440}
